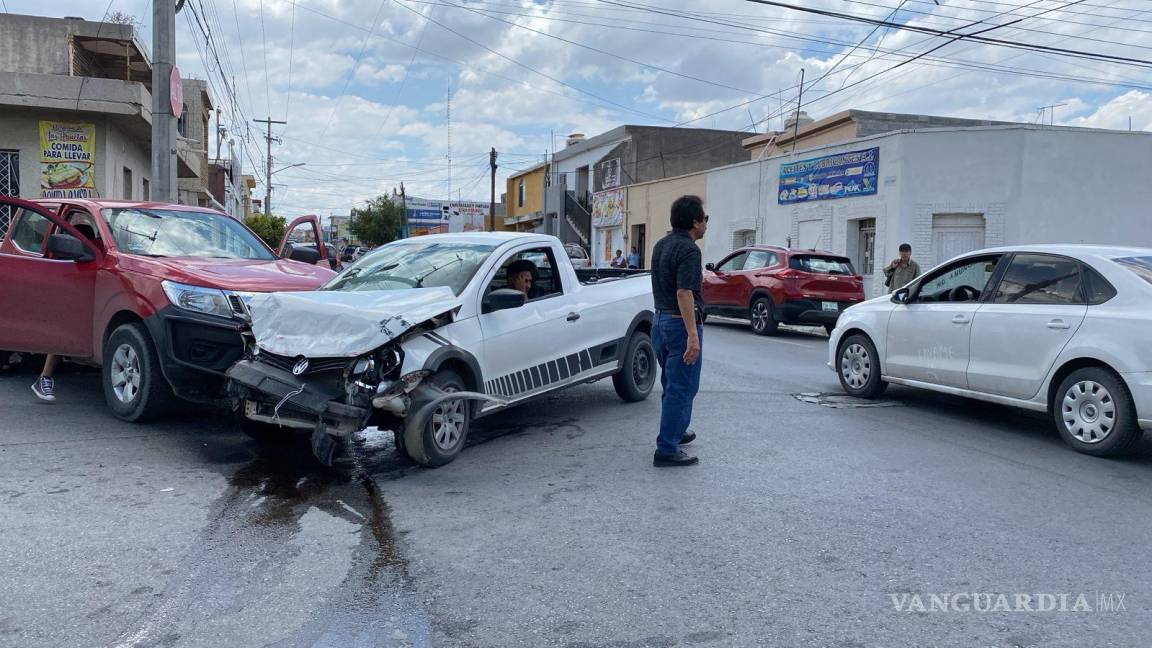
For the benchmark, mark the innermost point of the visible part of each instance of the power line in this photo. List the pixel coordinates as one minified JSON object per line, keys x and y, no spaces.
{"x":531,"y":68}
{"x":352,"y":72}
{"x":1125,"y":60}
{"x":291,"y":51}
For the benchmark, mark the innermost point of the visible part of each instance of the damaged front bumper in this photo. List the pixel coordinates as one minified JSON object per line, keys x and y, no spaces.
{"x":273,"y":395}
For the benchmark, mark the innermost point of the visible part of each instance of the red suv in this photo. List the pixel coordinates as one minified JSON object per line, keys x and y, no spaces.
{"x":153,"y":293}
{"x":771,"y":286}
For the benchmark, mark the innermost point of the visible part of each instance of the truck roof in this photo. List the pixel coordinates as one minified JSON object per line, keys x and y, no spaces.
{"x":497,"y":238}
{"x":125,"y":204}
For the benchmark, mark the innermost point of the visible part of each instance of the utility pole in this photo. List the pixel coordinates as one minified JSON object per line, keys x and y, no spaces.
{"x":799,"y":103}
{"x":492,"y":200}
{"x":163,"y":121}
{"x":268,"y":169}
{"x":404,"y":216}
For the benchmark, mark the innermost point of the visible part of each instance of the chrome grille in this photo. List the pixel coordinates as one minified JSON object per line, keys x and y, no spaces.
{"x":315,"y":365}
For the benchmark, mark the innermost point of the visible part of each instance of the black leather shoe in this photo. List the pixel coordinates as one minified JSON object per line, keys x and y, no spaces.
{"x":681,"y":458}
{"x":688,"y":437}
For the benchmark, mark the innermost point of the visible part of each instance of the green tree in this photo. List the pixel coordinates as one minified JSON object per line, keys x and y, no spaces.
{"x":377,"y":223}
{"x":269,"y":228}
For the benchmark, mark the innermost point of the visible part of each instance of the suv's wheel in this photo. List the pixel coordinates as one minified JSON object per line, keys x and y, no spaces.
{"x":1094,"y":412}
{"x":637,"y":373}
{"x":444,"y":433}
{"x":134,"y":385}
{"x":763,"y":320}
{"x":858,"y":367}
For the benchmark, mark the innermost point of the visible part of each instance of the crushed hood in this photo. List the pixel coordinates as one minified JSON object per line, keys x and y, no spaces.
{"x":330,"y":324}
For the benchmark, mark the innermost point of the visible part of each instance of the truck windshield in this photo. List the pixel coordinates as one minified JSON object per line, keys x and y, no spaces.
{"x":167,"y":232}
{"x":413,"y":263}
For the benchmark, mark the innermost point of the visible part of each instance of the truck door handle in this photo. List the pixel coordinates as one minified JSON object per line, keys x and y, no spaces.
{"x":1058,"y":324}
{"x":572,"y":317}
{"x":960,"y":319}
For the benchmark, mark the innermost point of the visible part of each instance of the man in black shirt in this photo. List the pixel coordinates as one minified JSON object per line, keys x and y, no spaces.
{"x":677,"y":272}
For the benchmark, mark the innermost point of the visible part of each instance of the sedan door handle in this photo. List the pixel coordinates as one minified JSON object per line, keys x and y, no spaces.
{"x":960,"y":319}
{"x":1058,"y":324}
{"x":572,"y":317}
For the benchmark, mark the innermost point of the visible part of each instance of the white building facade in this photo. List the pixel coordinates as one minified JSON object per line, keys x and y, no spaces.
{"x":946,"y":192}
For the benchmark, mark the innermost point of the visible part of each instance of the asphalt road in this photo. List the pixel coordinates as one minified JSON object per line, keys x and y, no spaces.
{"x":804,"y":525}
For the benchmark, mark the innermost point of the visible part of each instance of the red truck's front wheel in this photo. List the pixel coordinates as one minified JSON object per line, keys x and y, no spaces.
{"x":134,"y":386}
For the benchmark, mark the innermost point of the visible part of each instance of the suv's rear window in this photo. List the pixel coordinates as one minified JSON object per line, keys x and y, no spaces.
{"x":822,"y":264}
{"x":1142,"y":266}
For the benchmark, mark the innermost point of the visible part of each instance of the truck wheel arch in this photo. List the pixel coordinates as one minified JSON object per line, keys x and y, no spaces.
{"x":117,"y":320}
{"x":461,"y":362}
{"x":642,"y":322}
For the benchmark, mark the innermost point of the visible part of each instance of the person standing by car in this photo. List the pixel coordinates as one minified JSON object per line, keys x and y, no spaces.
{"x":901,"y":271}
{"x":45,"y":386}
{"x":634,"y":259}
{"x":677,"y":274}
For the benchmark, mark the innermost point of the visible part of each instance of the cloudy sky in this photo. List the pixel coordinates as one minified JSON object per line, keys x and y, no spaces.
{"x":364,"y":84}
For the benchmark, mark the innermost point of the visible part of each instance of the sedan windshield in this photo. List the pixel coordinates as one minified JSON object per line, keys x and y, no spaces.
{"x":413,"y":263}
{"x":1142,"y":266}
{"x":168,"y":232}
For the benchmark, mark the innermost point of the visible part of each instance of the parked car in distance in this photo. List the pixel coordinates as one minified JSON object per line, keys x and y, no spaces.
{"x":1065,"y":329}
{"x":770,"y":286}
{"x":578,"y":256}
{"x":425,"y":334}
{"x":351,"y":253}
{"x":151,"y":292}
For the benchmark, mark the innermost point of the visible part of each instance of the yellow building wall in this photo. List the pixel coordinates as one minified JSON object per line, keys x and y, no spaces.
{"x":650,"y":205}
{"x":533,"y":197}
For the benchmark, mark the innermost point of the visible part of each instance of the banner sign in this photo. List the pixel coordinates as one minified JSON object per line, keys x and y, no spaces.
{"x":843,"y":175}
{"x":608,"y":208}
{"x":67,"y":160}
{"x":610,"y":174}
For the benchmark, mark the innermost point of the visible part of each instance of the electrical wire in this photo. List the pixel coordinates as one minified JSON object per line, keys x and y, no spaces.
{"x":352,"y":73}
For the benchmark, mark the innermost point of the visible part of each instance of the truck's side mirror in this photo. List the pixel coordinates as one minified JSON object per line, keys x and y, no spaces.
{"x":68,"y":248}
{"x":302,"y":254}
{"x":711,"y":267}
{"x":503,"y":299}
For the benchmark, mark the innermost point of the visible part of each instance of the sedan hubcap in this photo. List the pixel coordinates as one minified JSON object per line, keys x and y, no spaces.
{"x":1089,"y":412}
{"x":855,"y":366}
{"x":125,"y":373}
{"x":448,"y":423}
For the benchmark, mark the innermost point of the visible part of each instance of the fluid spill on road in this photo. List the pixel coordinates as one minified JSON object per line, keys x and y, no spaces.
{"x":292,"y":553}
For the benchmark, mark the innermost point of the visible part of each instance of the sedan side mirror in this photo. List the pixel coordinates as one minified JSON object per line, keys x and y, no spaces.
{"x":69,"y":248}
{"x":503,"y":299}
{"x":711,"y":267}
{"x":901,"y":296}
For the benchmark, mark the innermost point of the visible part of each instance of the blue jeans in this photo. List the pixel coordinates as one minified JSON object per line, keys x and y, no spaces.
{"x":680,"y":381}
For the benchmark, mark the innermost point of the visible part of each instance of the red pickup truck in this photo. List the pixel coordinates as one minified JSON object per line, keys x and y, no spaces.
{"x":153,"y":293}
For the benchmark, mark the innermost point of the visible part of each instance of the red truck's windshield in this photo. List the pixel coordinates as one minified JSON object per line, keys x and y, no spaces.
{"x":163,"y":232}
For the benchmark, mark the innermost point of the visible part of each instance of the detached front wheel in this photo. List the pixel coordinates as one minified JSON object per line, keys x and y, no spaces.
{"x":637,"y":373}
{"x":134,"y":385}
{"x":442,"y":436}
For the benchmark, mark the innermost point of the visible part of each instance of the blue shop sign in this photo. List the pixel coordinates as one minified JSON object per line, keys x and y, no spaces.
{"x":843,"y":175}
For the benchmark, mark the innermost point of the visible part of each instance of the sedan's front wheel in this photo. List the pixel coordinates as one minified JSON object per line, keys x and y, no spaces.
{"x":1094,"y":412}
{"x":858,"y":367}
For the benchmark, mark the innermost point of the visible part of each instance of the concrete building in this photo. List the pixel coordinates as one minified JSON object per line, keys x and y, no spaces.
{"x":946,"y":191}
{"x":193,"y":135}
{"x":524,"y":202}
{"x":76,"y":112}
{"x":587,"y":179}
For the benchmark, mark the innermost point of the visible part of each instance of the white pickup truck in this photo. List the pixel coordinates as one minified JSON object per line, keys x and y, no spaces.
{"x":422,"y":336}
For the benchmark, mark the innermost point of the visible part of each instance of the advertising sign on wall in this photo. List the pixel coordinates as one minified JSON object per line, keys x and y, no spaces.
{"x":610,"y":173}
{"x":608,"y":208}
{"x":67,"y":160}
{"x":843,"y":175}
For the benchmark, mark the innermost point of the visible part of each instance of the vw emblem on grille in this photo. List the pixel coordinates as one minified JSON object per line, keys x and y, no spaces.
{"x":300,"y":367}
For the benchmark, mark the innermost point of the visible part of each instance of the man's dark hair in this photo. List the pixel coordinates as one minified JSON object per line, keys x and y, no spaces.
{"x":686,"y":212}
{"x":521,"y":265}
{"x":905,"y":247}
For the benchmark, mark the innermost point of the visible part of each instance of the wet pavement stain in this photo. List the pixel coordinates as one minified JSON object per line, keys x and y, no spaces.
{"x":261,"y":541}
